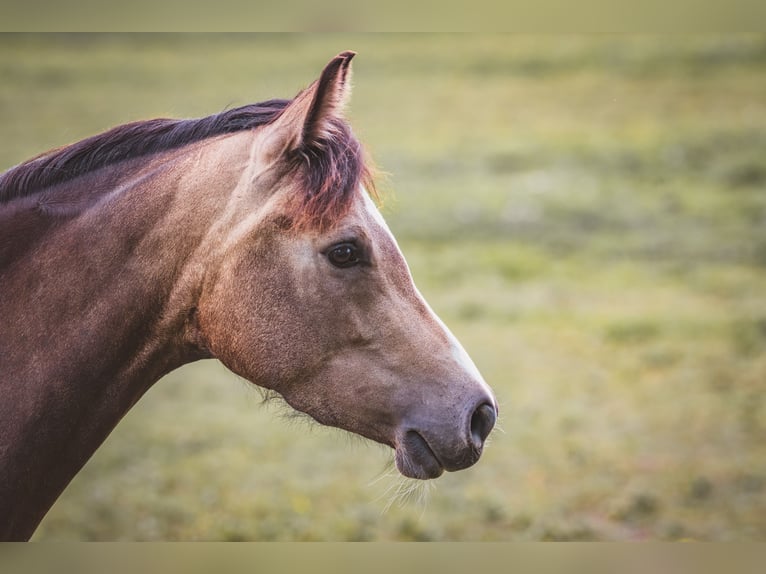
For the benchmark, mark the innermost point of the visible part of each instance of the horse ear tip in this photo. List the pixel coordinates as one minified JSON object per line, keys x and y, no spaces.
{"x":347,"y":55}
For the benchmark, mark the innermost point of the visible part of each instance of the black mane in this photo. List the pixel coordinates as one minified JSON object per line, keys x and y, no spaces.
{"x":126,"y":142}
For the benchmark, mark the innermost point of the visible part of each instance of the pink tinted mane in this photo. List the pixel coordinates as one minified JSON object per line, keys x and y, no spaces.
{"x":331,"y":171}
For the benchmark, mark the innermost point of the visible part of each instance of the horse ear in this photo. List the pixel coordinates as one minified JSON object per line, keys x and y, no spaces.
{"x":308,"y":118}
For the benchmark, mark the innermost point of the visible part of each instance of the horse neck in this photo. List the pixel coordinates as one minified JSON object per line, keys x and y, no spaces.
{"x":99,"y":309}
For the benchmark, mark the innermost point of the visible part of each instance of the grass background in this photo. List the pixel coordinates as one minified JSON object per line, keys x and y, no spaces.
{"x":587,"y":213}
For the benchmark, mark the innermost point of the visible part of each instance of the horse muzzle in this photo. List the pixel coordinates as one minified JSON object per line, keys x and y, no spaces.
{"x":425,"y":451}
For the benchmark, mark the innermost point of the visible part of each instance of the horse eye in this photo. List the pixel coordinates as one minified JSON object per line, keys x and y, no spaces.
{"x":344,"y":255}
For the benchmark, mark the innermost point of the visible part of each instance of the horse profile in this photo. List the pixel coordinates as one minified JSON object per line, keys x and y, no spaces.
{"x":249,"y":236}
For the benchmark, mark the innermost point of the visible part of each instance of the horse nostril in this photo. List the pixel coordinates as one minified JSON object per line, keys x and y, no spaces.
{"x":482,"y":421}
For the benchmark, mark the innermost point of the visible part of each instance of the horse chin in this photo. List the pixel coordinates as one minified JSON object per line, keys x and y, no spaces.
{"x":415,"y":459}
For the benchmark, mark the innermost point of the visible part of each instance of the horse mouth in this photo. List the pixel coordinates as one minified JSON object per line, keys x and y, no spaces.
{"x":416,"y":459}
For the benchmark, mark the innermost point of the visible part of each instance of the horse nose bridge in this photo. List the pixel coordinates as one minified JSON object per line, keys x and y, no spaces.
{"x":443,"y":342}
{"x":451,"y":381}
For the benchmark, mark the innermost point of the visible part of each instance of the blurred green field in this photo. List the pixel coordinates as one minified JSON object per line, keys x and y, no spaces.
{"x":588,"y":215}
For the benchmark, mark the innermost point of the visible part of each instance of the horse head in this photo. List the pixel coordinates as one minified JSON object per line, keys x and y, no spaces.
{"x":311,"y":297}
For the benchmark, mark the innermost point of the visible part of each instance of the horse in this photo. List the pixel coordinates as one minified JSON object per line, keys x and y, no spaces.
{"x":251,"y":236}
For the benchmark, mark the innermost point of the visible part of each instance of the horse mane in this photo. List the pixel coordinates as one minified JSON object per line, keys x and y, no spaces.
{"x":331,"y":169}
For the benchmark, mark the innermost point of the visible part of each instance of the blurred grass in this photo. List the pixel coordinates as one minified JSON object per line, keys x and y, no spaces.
{"x":588,"y":214}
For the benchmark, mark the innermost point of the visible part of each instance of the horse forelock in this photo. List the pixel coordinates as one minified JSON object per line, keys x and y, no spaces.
{"x":330,"y":173}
